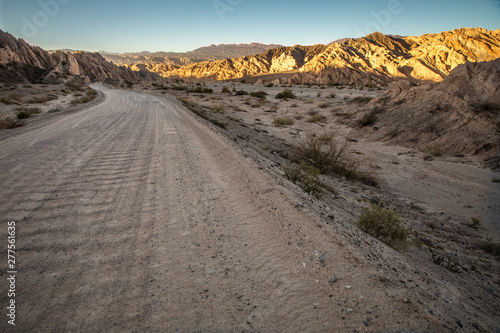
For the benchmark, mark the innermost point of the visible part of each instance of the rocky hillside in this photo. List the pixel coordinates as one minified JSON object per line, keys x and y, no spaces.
{"x":21,"y":62}
{"x":459,"y":116}
{"x":374,"y":58}
{"x":208,"y":53}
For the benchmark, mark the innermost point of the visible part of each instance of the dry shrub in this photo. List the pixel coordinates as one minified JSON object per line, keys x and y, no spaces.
{"x":331,"y":158}
{"x":385,"y":224}
{"x":317,"y":118}
{"x":283,"y":121}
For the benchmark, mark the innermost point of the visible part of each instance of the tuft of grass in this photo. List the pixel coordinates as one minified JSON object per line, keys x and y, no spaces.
{"x":225,"y":90}
{"x":89,"y":96}
{"x":368,"y":119}
{"x":286,"y":94}
{"x":490,"y":247}
{"x":42,"y":99}
{"x":6,"y":123}
{"x":218,"y":123}
{"x":385,"y":224}
{"x":74,"y":85}
{"x":431,"y":150}
{"x":12,"y":99}
{"x":241,"y":93}
{"x":24,"y":113}
{"x":324,"y":105}
{"x":269,"y":85}
{"x":219,"y":107}
{"x":361,"y":99}
{"x":317,"y":118}
{"x":283,"y":121}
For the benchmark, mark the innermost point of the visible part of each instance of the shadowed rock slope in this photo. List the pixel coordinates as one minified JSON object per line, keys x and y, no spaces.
{"x":376,"y":58}
{"x":21,"y":62}
{"x":458,"y":116}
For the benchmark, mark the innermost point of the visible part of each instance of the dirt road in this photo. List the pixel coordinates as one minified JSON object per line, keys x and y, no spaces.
{"x":134,"y":215}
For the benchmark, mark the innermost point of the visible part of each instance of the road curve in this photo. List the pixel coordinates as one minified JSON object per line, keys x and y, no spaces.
{"x":134,"y":215}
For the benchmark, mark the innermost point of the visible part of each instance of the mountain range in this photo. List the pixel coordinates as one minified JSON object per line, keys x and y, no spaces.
{"x":376,"y":58}
{"x":207,"y":53}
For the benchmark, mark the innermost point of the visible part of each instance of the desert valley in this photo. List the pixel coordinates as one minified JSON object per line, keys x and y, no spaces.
{"x":347,"y":187}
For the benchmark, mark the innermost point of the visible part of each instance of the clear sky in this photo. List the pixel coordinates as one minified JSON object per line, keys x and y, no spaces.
{"x":183,"y":25}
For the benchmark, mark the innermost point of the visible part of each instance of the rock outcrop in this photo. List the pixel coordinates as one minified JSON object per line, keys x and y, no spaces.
{"x":21,"y":62}
{"x":374,"y":58}
{"x":459,"y":116}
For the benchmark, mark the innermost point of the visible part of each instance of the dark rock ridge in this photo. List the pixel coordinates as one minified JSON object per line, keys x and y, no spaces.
{"x":21,"y":62}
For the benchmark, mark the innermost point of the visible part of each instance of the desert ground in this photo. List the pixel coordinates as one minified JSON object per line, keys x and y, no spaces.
{"x":135,"y":213}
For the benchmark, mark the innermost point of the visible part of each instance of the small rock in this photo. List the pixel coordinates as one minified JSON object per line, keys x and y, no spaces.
{"x":349,"y":310}
{"x":406,"y":300}
{"x":333,"y":279}
{"x":348,"y":287}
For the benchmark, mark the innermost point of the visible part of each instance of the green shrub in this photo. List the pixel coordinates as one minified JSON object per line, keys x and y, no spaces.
{"x":307,"y":177}
{"x":286,"y":94}
{"x":385,"y":224}
{"x":259,"y":94}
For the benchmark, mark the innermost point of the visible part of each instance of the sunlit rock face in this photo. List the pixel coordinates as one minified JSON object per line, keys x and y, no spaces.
{"x":374,"y":58}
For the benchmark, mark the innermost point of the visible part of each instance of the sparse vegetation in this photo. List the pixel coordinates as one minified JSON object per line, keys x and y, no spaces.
{"x":331,"y":158}
{"x":490,"y":247}
{"x":317,"y":118}
{"x":219,"y":107}
{"x":259,"y":94}
{"x":12,"y":99}
{"x":431,"y":150}
{"x":74,"y":85}
{"x":6,"y":123}
{"x":89,"y":96}
{"x":283,"y":121}
{"x":361,"y":99}
{"x":307,"y":177}
{"x":241,"y":93}
{"x":385,"y":224}
{"x":218,"y":123}
{"x":324,"y":105}
{"x":286,"y":94}
{"x":225,"y":90}
{"x":24,"y":113}
{"x":42,"y":99}
{"x":445,"y":262}
{"x":368,"y":119}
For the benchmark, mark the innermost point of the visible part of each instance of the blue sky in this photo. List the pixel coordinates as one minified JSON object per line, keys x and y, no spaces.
{"x":183,"y":25}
